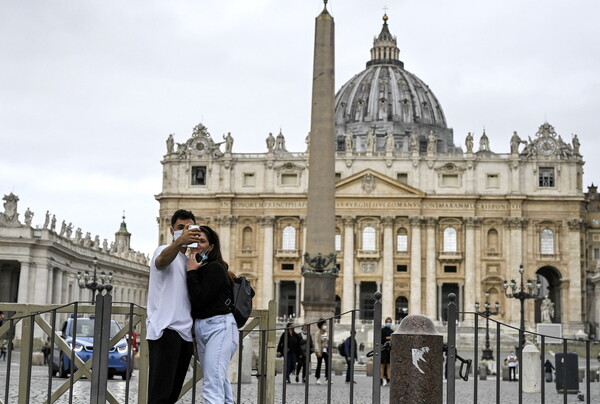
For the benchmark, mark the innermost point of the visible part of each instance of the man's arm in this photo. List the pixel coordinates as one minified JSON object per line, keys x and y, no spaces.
{"x":169,"y":254}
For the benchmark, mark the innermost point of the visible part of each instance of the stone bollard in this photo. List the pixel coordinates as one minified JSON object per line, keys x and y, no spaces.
{"x":531,"y":362}
{"x":417,"y":362}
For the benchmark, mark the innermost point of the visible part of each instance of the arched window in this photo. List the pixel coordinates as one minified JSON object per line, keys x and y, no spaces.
{"x":247,"y":242}
{"x":450,"y":239}
{"x":402,"y":240}
{"x":547,"y":241}
{"x":492,"y":241}
{"x":401,"y":308}
{"x":368,"y":239}
{"x":289,"y":238}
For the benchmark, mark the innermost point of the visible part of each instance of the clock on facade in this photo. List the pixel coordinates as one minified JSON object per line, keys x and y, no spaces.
{"x":200,"y":146}
{"x":547,"y":146}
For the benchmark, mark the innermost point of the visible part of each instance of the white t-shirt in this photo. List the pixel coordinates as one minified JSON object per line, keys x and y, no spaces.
{"x":168,"y":302}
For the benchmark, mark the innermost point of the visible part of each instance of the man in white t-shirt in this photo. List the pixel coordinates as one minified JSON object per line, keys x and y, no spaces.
{"x":169,"y":322}
{"x":512,"y":361}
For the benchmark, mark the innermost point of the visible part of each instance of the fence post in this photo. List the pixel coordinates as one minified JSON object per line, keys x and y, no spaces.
{"x":101,"y":339}
{"x":451,"y":354}
{"x":417,"y":362}
{"x":377,"y":349}
{"x":26,"y":351}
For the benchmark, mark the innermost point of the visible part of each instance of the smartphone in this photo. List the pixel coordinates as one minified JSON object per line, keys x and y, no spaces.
{"x":193,"y":245}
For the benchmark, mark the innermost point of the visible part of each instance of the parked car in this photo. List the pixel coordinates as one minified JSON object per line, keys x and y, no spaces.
{"x":119,"y":355}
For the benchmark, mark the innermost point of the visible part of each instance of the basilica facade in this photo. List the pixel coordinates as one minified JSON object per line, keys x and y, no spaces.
{"x":417,"y":217}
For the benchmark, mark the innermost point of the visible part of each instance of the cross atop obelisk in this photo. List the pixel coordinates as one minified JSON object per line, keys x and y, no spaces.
{"x":319,"y":266}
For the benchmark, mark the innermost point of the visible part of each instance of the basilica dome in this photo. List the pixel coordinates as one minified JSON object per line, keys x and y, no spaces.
{"x":385,"y":98}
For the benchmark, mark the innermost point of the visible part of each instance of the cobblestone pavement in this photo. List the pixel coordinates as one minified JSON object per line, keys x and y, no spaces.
{"x":295,"y":394}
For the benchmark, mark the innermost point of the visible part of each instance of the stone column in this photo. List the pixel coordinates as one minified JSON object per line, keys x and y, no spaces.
{"x":298,"y":305}
{"x":430,"y":279}
{"x":23,"y":295}
{"x":469,"y":250}
{"x":417,"y":362}
{"x":49,"y":287}
{"x":415,"y":266}
{"x":574,"y":270}
{"x":57,"y":285}
{"x":41,"y":285}
{"x":267,"y":271}
{"x":348,"y":270}
{"x":387,"y":293}
{"x":357,"y":295}
{"x":225,"y":222}
{"x":516,"y":258}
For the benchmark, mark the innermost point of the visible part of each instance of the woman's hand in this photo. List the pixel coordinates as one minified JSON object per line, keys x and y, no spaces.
{"x":192,"y":264}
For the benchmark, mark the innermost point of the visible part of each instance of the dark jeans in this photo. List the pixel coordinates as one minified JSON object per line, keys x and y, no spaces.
{"x":348,"y":366}
{"x":512,"y":373}
{"x":301,"y":365}
{"x":168,"y":359}
{"x":291,"y":363}
{"x":324,"y":357}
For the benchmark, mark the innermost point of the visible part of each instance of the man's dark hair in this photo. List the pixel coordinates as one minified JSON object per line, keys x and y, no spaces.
{"x":183,"y":215}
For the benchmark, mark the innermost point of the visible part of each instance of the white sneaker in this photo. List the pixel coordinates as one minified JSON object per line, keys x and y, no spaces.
{"x":318,"y":381}
{"x":385,"y":382}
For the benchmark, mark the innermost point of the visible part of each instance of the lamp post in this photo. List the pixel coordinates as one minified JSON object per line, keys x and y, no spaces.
{"x":530,"y":290}
{"x":487,"y":353}
{"x":95,"y":281}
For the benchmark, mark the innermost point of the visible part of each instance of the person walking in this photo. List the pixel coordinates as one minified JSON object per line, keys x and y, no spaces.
{"x":321,"y":350}
{"x":210,"y":287}
{"x":548,"y":368}
{"x":386,"y":335}
{"x":350,"y":358}
{"x":293,"y":349}
{"x":46,"y":352}
{"x":169,"y":321}
{"x":512,"y":362}
{"x":305,"y":339}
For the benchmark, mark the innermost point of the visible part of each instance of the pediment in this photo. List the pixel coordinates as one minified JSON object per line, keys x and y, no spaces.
{"x":372,"y":183}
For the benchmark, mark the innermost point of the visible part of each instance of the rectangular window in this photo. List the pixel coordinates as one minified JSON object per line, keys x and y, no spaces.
{"x":492,"y":181}
{"x":199,"y":175}
{"x":287,"y":267}
{"x":338,"y":176}
{"x":546,"y":179}
{"x":338,"y":242}
{"x":402,"y":177}
{"x":402,"y":241}
{"x":249,"y":179}
{"x":596,"y":253}
{"x":450,"y":180}
{"x":450,"y":268}
{"x":289,"y":179}
{"x":401,"y":268}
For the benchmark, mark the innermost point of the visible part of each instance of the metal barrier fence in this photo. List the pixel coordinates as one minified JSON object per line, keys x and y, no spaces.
{"x":525,"y":366}
{"x":29,"y":326}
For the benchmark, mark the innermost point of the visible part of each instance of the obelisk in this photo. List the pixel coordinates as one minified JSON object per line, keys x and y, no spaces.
{"x":319,"y":266}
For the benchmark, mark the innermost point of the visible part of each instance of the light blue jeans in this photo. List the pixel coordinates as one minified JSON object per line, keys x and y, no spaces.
{"x":217,"y":338}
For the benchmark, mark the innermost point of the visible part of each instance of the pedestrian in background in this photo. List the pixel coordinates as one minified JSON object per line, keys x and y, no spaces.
{"x":293,"y":349}
{"x":386,"y":335}
{"x":548,"y":368}
{"x":512,"y":362}
{"x":321,"y":350}
{"x":350,"y":358}
{"x":305,"y":339}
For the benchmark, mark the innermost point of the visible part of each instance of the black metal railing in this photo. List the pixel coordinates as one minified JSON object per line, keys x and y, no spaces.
{"x":504,"y":334}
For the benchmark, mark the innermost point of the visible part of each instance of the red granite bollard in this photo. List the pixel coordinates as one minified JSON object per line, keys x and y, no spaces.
{"x":417,"y":362}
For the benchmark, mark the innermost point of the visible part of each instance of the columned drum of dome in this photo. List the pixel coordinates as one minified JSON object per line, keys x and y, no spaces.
{"x":385,"y":98}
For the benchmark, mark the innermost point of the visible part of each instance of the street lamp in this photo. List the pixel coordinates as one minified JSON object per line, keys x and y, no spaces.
{"x":530,"y":290}
{"x":94,"y":282}
{"x":487,"y":353}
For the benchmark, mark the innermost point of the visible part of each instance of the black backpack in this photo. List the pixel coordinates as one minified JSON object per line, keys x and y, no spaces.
{"x":342,"y":349}
{"x":241,"y":305}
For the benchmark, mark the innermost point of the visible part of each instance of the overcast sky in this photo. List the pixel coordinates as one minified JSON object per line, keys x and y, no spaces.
{"x":90,"y":90}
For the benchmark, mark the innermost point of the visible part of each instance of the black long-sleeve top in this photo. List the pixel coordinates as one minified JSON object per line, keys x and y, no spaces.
{"x":209,"y":288}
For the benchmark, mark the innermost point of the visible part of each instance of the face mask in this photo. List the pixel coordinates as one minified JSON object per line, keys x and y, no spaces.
{"x":304,"y":332}
{"x":388,"y":325}
{"x":177,"y":234}
{"x":324,"y":328}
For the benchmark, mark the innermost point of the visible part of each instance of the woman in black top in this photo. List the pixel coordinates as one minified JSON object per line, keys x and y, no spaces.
{"x":210,"y":286}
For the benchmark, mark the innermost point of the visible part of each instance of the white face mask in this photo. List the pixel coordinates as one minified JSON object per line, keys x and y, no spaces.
{"x":177,"y":234}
